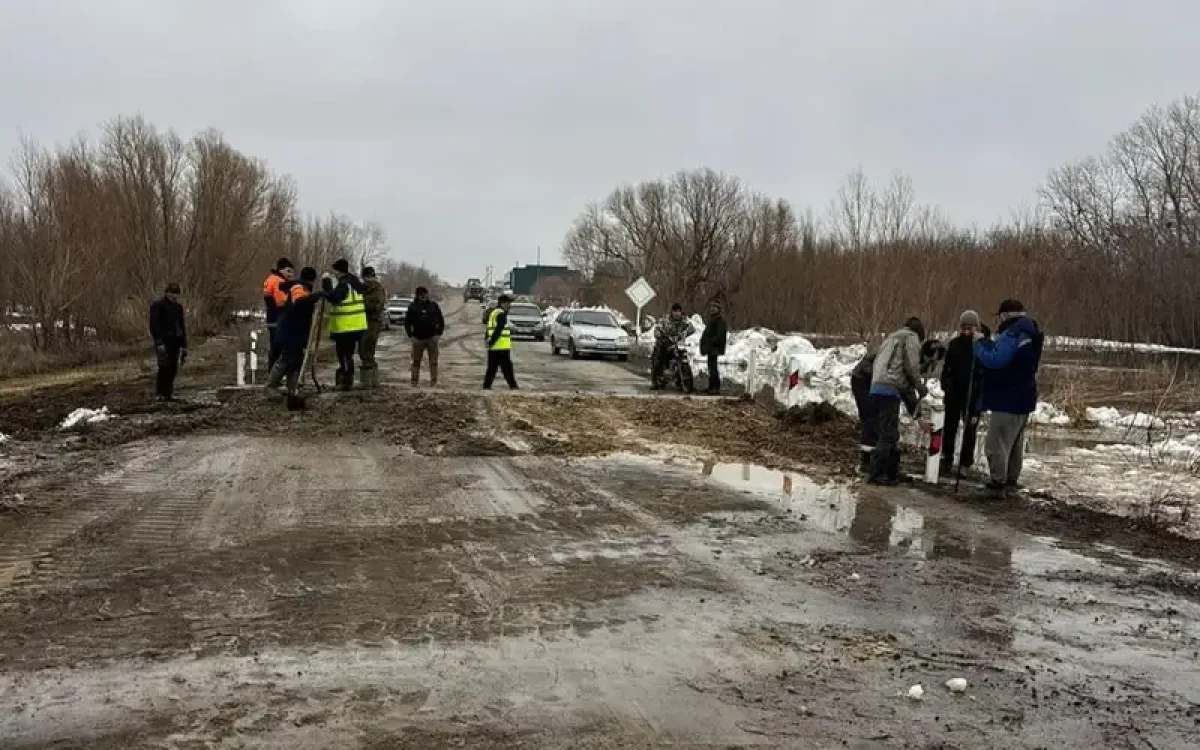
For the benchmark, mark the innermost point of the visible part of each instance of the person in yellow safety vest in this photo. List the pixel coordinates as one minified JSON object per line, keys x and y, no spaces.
{"x":347,"y":315}
{"x":499,"y":345}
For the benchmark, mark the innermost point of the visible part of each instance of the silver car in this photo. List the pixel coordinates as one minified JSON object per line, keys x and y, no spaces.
{"x":589,"y":332}
{"x":525,"y":319}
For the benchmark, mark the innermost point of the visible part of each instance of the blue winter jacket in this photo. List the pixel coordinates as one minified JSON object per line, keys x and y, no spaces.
{"x":1010,"y":365}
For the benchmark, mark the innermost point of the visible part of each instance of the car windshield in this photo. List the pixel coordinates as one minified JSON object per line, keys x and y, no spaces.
{"x":525,"y":311}
{"x":589,"y":318}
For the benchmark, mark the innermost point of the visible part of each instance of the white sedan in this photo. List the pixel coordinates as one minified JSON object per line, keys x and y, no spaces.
{"x":589,"y":332}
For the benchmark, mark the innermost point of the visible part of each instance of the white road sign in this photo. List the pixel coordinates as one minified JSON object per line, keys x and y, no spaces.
{"x":640,"y":292}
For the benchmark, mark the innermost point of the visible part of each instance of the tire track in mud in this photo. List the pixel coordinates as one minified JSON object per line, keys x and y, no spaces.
{"x":144,"y":513}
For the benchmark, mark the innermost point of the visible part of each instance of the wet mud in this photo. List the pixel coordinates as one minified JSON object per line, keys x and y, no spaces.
{"x":443,"y":568}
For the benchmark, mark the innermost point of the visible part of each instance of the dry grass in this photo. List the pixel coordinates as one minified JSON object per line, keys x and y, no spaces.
{"x":24,"y":368}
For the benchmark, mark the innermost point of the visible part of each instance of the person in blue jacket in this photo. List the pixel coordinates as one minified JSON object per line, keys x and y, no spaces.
{"x":1010,"y":365}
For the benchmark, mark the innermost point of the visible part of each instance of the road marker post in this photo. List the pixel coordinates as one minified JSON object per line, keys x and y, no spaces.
{"x":640,"y":293}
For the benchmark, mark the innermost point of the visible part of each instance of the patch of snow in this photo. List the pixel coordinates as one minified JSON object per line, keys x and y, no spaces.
{"x":1107,"y":416}
{"x":1068,"y":343}
{"x":3,"y":438}
{"x":84,"y":416}
{"x":1048,"y":414}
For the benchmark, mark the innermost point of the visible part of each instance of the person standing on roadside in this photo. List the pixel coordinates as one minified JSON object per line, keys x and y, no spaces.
{"x":168,"y":329}
{"x":962,"y":381}
{"x":712,"y":345}
{"x":375,"y":304}
{"x":499,"y":345}
{"x":424,"y":325}
{"x":274,"y":298}
{"x":292,"y":330}
{"x":1010,"y":364}
{"x":347,"y":315}
{"x":897,"y":369}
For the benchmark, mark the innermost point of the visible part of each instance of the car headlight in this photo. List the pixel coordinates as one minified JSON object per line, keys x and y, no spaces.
{"x":622,"y":339}
{"x":586,"y":337}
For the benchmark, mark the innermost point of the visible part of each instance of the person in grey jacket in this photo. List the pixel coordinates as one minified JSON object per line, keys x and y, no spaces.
{"x":897,"y":369}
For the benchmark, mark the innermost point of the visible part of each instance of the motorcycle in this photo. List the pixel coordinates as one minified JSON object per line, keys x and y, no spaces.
{"x":678,"y":369}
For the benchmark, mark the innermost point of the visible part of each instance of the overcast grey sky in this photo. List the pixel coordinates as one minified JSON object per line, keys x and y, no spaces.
{"x":475,"y":130}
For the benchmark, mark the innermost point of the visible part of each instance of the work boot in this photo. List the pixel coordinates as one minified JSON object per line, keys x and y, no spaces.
{"x":375,"y":377}
{"x":432,"y":375}
{"x":416,"y":378}
{"x":864,"y":462}
{"x":342,"y":381}
{"x":275,"y":376}
{"x":293,"y":382}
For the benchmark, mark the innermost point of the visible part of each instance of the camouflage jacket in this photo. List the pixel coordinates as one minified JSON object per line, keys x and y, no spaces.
{"x":375,"y":299}
{"x":673,"y":330}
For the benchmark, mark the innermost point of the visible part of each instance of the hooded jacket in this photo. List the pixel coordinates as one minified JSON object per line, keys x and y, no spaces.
{"x":1010,"y":363}
{"x":897,"y":366}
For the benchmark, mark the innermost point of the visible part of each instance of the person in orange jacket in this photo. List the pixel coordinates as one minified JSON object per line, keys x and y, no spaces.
{"x":274,"y":298}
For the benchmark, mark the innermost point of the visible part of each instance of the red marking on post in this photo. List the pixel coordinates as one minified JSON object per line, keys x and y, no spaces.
{"x":794,"y":379}
{"x":935,"y":443}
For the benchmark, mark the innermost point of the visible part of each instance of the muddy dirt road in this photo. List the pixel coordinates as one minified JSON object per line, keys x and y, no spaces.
{"x":463,"y":355}
{"x":445,"y":569}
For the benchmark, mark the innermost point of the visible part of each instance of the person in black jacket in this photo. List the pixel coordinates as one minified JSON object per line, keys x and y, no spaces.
{"x":169,"y":331}
{"x":712,"y":345}
{"x":962,"y":378}
{"x":292,"y":330}
{"x":424,"y":324}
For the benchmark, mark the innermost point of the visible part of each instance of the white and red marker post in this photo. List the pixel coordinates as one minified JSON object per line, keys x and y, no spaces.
{"x":933,"y":458}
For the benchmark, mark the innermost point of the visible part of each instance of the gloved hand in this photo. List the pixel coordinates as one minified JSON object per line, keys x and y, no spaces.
{"x":182,"y":357}
{"x":160,"y":350}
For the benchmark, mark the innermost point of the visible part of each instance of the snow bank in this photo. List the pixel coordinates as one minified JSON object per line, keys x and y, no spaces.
{"x":1107,"y":416}
{"x":3,"y":438}
{"x":82,"y":417}
{"x":1067,"y":343}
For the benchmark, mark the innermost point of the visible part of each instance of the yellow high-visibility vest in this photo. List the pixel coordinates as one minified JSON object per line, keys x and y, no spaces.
{"x":504,"y":342}
{"x":349,"y":315}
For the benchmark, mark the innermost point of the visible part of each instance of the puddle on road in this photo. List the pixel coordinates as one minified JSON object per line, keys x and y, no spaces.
{"x":882,"y":521}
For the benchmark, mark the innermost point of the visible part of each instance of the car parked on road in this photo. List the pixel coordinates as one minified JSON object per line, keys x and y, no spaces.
{"x":525,"y":319}
{"x":397,"y":307}
{"x":583,"y":332}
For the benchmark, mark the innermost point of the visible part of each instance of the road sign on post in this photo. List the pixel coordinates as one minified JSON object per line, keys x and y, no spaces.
{"x":640,"y":293}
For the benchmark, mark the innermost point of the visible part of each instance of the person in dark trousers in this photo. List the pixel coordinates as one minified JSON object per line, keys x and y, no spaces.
{"x":292,"y":331}
{"x":897,"y":369}
{"x":1010,"y":363}
{"x":712,"y":345}
{"x":499,"y":345}
{"x":424,"y":325}
{"x":168,"y":329}
{"x":375,"y":304}
{"x":868,"y":416}
{"x":671,"y":329}
{"x":274,"y":298}
{"x":347,"y":315}
{"x":962,"y":380}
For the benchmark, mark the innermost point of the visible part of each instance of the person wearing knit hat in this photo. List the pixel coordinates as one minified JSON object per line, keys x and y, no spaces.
{"x":347,"y":318}
{"x":275,"y":296}
{"x":962,"y":377}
